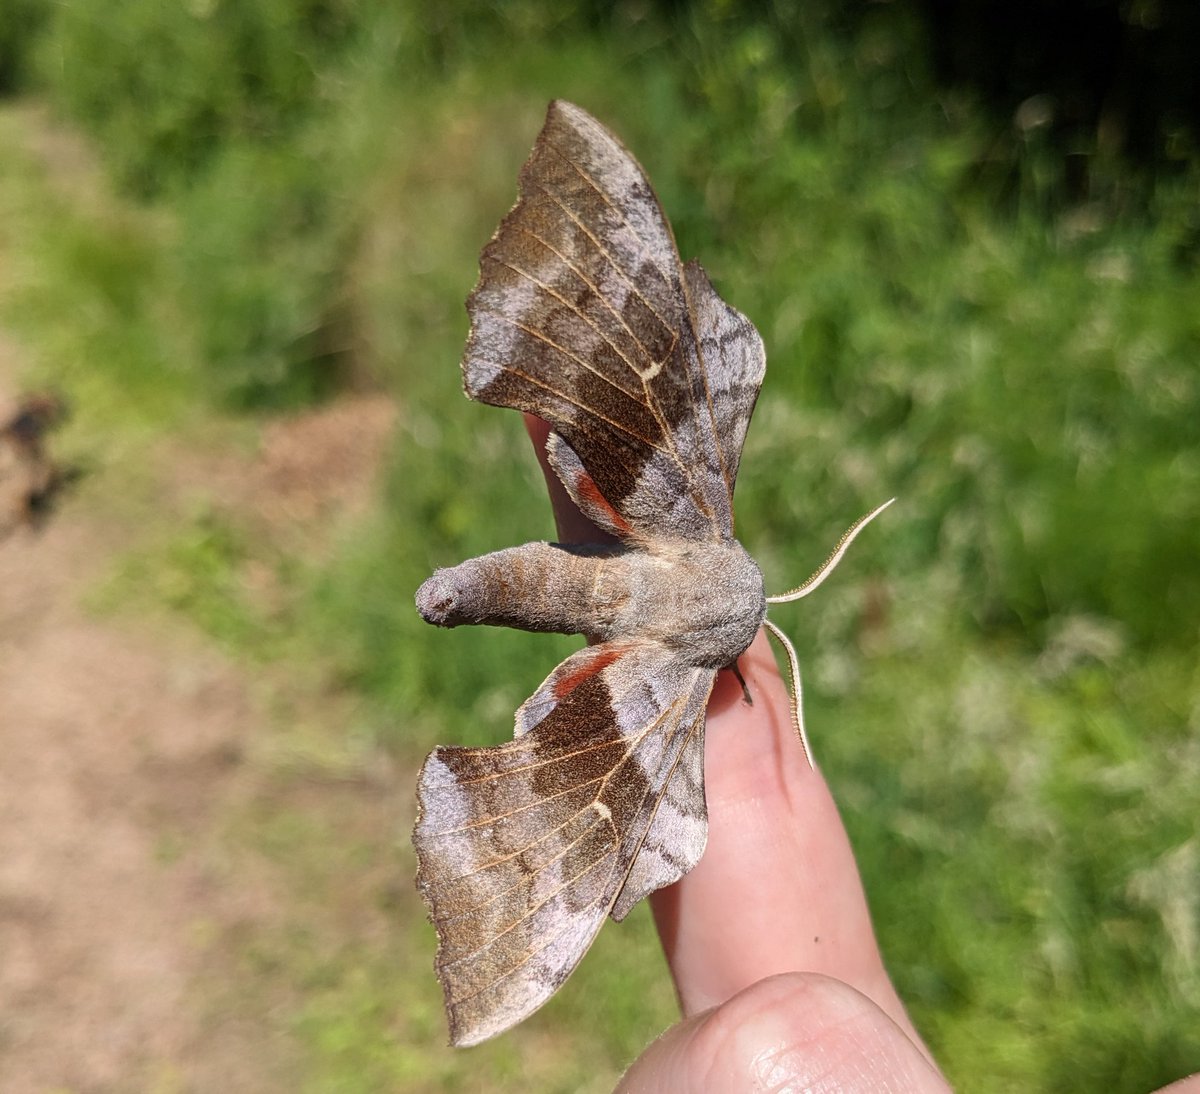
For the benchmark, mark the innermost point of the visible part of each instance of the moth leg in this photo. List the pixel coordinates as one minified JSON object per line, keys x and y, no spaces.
{"x":742,"y":680}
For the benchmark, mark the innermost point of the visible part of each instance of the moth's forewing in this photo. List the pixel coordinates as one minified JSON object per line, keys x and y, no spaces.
{"x":525,"y":847}
{"x":584,"y":316}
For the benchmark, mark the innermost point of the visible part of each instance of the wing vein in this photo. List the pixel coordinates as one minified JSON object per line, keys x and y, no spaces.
{"x":647,"y":251}
{"x":521,"y":919}
{"x":485,"y":821}
{"x":589,"y":411}
{"x":634,"y":739}
{"x":651,"y":400}
{"x":695,"y":491}
{"x":496,"y":896}
{"x":567,"y":304}
{"x":614,"y":742}
{"x":633,"y":285}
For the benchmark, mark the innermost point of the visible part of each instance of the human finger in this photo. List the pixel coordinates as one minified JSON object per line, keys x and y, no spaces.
{"x":799,"y":1031}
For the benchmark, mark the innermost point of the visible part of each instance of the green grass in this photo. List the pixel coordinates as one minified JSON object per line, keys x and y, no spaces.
{"x":84,"y":282}
{"x":1013,"y":743}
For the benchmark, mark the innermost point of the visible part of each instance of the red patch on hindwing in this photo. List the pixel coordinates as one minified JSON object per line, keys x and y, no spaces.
{"x":586,"y":488}
{"x":604,"y":657}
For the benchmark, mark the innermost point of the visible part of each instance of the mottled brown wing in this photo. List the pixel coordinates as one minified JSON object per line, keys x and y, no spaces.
{"x":524,"y":848}
{"x":584,"y":316}
{"x":679,"y":831}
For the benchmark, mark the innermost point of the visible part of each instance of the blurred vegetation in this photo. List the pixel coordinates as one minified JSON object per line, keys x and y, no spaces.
{"x":1002,"y":681}
{"x":1114,"y":84}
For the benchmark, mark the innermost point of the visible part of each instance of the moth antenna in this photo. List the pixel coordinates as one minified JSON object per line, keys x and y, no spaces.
{"x":830,"y":564}
{"x":797,"y":690}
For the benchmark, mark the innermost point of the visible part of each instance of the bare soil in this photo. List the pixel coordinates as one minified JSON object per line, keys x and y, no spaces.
{"x":126,"y":746}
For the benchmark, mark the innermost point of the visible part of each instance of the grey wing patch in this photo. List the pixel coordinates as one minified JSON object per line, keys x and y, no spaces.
{"x":677,"y":836}
{"x":733,"y":362}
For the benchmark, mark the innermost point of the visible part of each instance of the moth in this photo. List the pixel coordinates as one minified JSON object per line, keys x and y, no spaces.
{"x":585,"y":316}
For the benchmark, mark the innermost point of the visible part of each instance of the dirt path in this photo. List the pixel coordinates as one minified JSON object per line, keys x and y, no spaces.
{"x":101,"y":730}
{"x":123,"y":752}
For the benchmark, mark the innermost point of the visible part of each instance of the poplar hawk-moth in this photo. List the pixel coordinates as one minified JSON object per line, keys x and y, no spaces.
{"x":585,"y":316}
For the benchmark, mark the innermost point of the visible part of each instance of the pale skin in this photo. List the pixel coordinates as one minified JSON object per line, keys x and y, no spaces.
{"x":769,"y":939}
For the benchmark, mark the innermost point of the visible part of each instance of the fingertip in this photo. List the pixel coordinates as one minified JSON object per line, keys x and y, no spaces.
{"x":1187,"y":1085}
{"x":793,"y":1031}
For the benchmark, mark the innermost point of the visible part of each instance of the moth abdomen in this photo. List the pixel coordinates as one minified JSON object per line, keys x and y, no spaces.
{"x":536,"y":587}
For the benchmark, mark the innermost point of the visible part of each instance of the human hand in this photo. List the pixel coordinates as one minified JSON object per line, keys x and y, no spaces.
{"x":768,"y":938}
